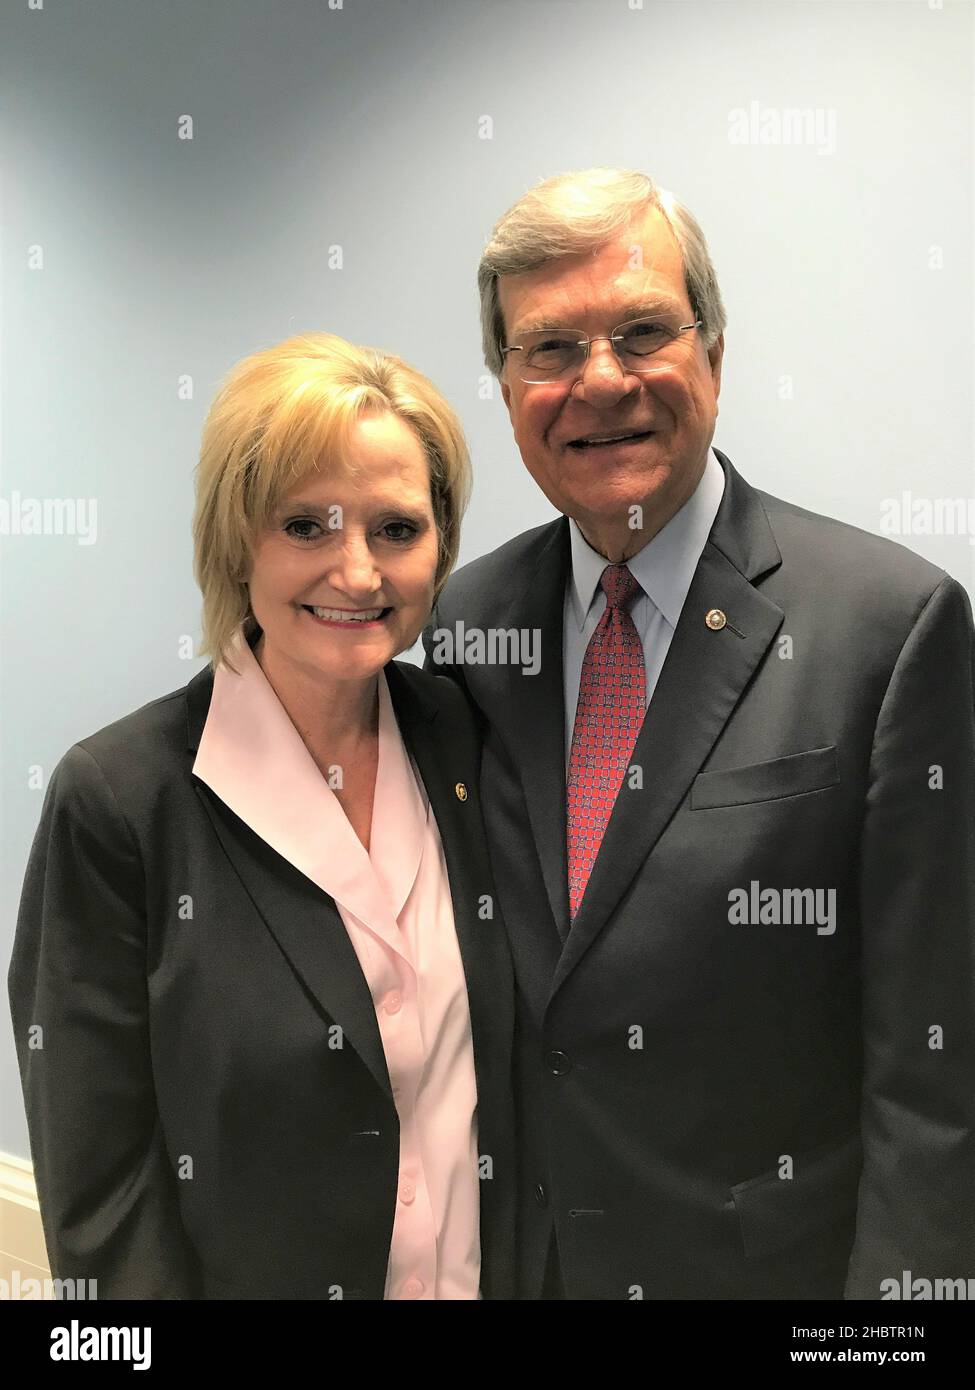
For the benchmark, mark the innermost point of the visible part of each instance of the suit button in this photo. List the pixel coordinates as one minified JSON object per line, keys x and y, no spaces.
{"x":557,"y":1063}
{"x":541,"y":1196}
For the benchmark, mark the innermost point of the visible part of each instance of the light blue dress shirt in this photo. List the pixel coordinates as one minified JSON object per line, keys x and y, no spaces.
{"x":664,"y":569}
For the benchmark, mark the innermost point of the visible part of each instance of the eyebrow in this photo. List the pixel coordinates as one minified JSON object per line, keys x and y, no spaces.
{"x":635,"y":309}
{"x":391,"y":504}
{"x":296,"y":505}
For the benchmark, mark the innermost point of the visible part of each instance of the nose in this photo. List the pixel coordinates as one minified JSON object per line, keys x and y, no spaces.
{"x":603,"y":380}
{"x":354,"y":570}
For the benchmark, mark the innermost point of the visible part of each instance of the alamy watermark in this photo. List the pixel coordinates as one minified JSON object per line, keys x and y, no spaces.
{"x":17,"y":1289}
{"x":756,"y":906}
{"x":920,"y":1290}
{"x":493,"y":646}
{"x":909,"y":515}
{"x":814,"y":126}
{"x":50,"y":516}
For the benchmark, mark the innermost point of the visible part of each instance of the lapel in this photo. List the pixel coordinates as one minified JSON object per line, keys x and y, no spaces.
{"x":301,"y":914}
{"x":529,"y":711}
{"x":444,"y":759}
{"x":702,"y":679}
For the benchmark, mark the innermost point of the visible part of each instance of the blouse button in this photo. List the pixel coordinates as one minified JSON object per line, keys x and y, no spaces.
{"x":393,"y":1002}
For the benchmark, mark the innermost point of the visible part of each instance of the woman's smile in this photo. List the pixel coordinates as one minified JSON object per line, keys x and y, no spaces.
{"x":347,"y":617}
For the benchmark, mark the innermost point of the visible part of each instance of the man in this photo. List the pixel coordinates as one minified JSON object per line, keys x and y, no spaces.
{"x":731,"y":813}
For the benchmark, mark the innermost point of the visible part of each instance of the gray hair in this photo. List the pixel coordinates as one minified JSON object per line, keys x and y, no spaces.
{"x":579,"y":212}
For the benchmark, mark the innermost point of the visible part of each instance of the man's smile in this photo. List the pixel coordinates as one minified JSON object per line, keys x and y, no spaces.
{"x":620,"y":439}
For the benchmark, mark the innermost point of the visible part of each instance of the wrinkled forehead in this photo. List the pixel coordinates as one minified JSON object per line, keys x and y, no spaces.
{"x":639,"y":271}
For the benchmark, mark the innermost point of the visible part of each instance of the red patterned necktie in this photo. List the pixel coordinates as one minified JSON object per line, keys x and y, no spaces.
{"x":610,"y":710}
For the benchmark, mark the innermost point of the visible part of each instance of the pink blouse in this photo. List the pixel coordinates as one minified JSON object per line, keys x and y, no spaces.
{"x":396,"y":905}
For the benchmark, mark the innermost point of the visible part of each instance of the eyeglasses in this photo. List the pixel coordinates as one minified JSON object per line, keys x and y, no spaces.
{"x":558,"y":354}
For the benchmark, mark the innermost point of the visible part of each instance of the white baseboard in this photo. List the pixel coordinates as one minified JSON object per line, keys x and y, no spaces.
{"x":23,"y":1254}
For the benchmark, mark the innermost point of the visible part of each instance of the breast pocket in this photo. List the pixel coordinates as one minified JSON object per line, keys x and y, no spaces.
{"x":798,"y":773}
{"x":774,"y":1212}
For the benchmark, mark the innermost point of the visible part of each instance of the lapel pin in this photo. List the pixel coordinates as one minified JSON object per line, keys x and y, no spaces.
{"x":461,"y":791}
{"x":715,"y":619}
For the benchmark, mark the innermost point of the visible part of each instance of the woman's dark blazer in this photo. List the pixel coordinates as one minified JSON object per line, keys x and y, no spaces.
{"x":207,"y":1096}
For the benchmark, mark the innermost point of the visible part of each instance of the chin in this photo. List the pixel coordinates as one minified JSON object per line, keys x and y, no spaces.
{"x":363,"y":669}
{"x":353,"y":665}
{"x":610,"y":504}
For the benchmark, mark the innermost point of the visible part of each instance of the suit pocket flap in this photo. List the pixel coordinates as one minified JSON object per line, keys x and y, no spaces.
{"x":736,"y":786}
{"x":775,"y":1212}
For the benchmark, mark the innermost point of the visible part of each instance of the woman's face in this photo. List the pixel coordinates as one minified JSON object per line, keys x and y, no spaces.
{"x":342,"y":579}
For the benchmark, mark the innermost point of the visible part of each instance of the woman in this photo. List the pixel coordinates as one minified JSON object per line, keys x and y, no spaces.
{"x":251,"y":1065}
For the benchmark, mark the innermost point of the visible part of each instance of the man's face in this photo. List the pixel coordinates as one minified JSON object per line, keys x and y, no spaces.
{"x":674,"y":409}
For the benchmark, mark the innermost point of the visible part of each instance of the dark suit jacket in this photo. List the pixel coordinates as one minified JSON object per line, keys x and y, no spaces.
{"x":209,"y":1037}
{"x":674,"y":1062}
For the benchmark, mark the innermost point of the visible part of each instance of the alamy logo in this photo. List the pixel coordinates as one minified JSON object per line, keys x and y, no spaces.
{"x":77,"y":1343}
{"x":926,"y":1290}
{"x":814,"y":126}
{"x":50,"y":516}
{"x":756,"y":906}
{"x":910,"y":515}
{"x":17,"y":1289}
{"x":493,"y":646}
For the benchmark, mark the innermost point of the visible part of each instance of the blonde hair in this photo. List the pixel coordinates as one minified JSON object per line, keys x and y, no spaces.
{"x":581,"y":211}
{"x":282,"y":414}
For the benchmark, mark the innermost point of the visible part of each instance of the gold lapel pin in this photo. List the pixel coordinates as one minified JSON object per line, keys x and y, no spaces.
{"x":715,"y":619}
{"x":461,"y":791}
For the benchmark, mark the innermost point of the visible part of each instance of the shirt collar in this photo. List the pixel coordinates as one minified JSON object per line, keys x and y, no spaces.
{"x":665,"y":566}
{"x":253,"y":757}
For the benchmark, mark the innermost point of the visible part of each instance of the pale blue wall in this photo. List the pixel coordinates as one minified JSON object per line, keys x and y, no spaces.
{"x":360,"y":126}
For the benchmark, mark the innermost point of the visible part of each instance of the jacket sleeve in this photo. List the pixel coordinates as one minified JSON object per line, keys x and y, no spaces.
{"x":79,"y":1003}
{"x":916,"y":1207}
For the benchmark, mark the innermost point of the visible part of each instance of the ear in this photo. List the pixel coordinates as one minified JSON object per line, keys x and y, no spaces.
{"x":715,"y":357}
{"x":506,"y":394}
